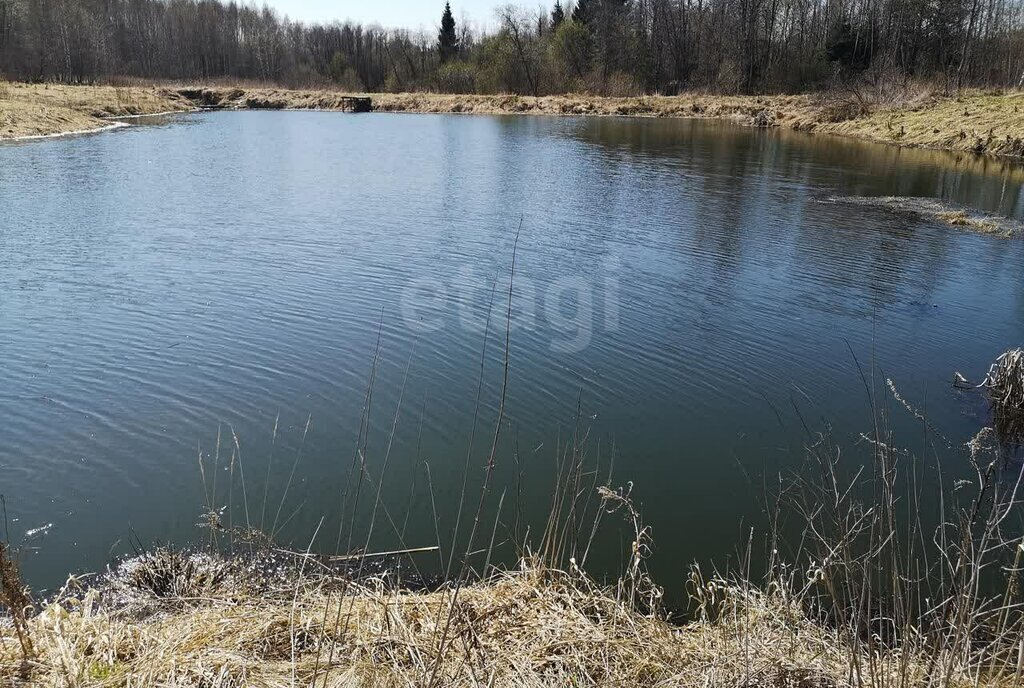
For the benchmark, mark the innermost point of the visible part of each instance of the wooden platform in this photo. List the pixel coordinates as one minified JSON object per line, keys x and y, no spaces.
{"x":357,"y":104}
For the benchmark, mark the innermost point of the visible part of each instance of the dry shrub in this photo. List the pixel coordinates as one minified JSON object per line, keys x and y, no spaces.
{"x":729,"y":76}
{"x":859,"y":96}
{"x":614,"y":85}
{"x":1005,"y":386}
{"x":125,"y":82}
{"x":456,"y":77}
{"x":171,"y":574}
{"x":835,"y":110}
{"x":764,"y":119}
{"x":15,"y":599}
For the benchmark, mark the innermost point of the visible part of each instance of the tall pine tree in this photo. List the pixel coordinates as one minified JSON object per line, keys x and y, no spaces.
{"x":557,"y":16}
{"x":447,"y":40}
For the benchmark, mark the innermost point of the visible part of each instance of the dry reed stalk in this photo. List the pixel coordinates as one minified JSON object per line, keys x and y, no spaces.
{"x":1005,"y":386}
{"x":14,"y":596}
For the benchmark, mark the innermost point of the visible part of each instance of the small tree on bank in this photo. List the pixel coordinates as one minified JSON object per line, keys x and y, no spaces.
{"x":447,"y":39}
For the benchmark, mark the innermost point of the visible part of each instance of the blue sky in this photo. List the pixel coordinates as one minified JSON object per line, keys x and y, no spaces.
{"x":412,"y":14}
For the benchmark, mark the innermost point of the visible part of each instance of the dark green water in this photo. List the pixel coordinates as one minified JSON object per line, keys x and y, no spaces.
{"x":682,"y":283}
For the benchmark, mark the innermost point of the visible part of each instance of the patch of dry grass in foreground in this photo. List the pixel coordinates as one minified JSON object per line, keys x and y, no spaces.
{"x":533,"y":626}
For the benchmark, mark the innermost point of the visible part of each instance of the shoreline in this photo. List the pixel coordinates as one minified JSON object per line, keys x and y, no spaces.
{"x":62,"y":134}
{"x":179,"y":617}
{"x":987,"y":124}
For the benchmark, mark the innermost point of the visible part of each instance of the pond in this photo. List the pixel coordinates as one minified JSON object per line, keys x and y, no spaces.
{"x":687,"y":295}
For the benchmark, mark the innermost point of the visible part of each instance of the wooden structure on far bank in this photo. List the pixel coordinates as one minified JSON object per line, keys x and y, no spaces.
{"x":356,"y":104}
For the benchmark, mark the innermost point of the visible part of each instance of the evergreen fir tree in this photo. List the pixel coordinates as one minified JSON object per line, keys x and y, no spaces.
{"x":557,"y":16}
{"x":581,"y":13}
{"x":447,"y":39}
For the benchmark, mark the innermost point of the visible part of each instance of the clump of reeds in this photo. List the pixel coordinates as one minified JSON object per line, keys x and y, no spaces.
{"x":960,"y":218}
{"x":1005,"y":386}
{"x":16,"y":601}
{"x":171,"y":574}
{"x":920,"y":574}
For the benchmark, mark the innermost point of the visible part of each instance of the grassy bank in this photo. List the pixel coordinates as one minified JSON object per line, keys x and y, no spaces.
{"x":194,"y":622}
{"x":977,"y":122}
{"x":46,"y":110}
{"x":530,"y":627}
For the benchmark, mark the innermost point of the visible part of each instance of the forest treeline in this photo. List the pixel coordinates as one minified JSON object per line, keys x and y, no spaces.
{"x":613,"y":47}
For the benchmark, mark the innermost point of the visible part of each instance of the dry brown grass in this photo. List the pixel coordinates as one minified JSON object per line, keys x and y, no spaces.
{"x":960,"y":218}
{"x":286,"y":619}
{"x":795,"y":111}
{"x":980,"y":122}
{"x":47,"y":109}
{"x":976,"y":121}
{"x":533,"y":626}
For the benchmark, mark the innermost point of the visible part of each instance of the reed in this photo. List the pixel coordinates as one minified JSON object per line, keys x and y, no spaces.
{"x":1005,"y":386}
{"x":17,"y":602}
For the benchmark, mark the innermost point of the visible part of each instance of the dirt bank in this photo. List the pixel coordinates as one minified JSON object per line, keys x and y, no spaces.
{"x":984,"y":123}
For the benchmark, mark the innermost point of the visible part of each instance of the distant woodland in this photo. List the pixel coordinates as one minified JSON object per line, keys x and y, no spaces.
{"x":612,"y":47}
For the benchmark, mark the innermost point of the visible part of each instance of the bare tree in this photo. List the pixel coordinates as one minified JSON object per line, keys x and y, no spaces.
{"x":656,"y":45}
{"x":515,"y":25}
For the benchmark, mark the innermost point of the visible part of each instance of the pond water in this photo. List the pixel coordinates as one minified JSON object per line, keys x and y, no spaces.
{"x":684,"y":294}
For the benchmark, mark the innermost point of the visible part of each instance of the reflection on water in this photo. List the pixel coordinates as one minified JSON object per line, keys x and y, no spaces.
{"x":681,"y":283}
{"x":858,"y":167}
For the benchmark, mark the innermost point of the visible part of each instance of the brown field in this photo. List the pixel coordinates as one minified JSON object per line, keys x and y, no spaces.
{"x":984,"y":123}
